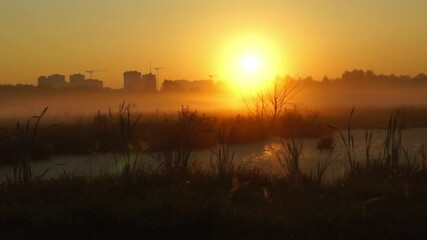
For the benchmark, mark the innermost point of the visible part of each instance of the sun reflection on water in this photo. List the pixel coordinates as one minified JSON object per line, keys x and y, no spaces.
{"x":271,"y":149}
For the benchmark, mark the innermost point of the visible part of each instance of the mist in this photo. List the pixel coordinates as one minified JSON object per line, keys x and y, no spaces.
{"x":22,"y":101}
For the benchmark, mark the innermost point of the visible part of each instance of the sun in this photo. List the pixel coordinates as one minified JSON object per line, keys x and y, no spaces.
{"x":249,"y":63}
{"x":249,"y":72}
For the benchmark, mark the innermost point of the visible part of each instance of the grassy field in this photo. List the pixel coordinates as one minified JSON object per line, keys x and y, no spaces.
{"x":242,"y":205}
{"x":383,"y":197}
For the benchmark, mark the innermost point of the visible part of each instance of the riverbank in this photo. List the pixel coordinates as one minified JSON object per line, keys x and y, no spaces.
{"x":102,"y":132}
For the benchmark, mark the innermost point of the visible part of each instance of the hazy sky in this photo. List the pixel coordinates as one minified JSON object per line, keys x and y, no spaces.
{"x":193,"y":37}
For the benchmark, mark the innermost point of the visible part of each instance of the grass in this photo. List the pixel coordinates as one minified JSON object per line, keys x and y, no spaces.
{"x":181,"y":137}
{"x":348,"y":141}
{"x":98,"y":133}
{"x":128,"y":160}
{"x":223,"y":154}
{"x":102,"y":132}
{"x":381,"y":197}
{"x":198,"y":205}
{"x":289,"y":158}
{"x":22,"y":167}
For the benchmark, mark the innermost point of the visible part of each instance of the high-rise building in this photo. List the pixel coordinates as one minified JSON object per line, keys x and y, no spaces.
{"x":149,"y":80}
{"x":93,"y":83}
{"x":55,"y":80}
{"x":185,"y":85}
{"x":42,"y":81}
{"x":133,"y":80}
{"x":77,"y":80}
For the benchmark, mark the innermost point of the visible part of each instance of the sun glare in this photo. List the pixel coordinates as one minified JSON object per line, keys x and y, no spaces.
{"x":249,"y":63}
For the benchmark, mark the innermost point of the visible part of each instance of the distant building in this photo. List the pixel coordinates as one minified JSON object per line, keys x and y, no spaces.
{"x":79,"y":81}
{"x":133,"y":80}
{"x":76,"y":81}
{"x":55,"y":80}
{"x":185,"y":85}
{"x":93,"y":83}
{"x":176,"y":85}
{"x":201,"y":85}
{"x":149,"y":80}
{"x":173,"y":85}
{"x":42,"y":81}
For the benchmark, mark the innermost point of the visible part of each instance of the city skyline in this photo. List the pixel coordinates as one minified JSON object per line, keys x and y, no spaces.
{"x":137,"y":80}
{"x":195,"y":39}
{"x":131,"y":80}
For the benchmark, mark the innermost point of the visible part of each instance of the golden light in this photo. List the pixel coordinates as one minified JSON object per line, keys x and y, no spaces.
{"x":250,"y":62}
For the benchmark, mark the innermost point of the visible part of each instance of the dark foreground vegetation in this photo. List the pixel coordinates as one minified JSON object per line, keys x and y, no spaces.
{"x":383,"y":197}
{"x":199,"y":205}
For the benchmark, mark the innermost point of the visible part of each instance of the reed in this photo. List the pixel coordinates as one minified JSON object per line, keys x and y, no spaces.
{"x":181,"y":138}
{"x":393,"y":142}
{"x":23,"y":164}
{"x":289,"y":158}
{"x":127,"y":122}
{"x":321,"y":167}
{"x":223,"y":153}
{"x":348,"y":142}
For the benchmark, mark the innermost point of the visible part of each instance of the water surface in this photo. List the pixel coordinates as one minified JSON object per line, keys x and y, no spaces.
{"x":261,"y":155}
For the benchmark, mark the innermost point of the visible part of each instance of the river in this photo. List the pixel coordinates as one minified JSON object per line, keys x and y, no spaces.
{"x":261,"y":155}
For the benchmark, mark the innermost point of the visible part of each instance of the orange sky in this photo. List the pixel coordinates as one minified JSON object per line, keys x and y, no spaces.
{"x":196,"y":38}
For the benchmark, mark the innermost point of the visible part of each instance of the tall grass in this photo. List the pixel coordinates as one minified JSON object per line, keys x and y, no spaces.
{"x":289,"y":158}
{"x":368,"y":144}
{"x":393,"y":142}
{"x":23,"y":164}
{"x":289,"y":161}
{"x":181,"y":136}
{"x":223,"y":154}
{"x":348,"y":142}
{"x":320,"y":170}
{"x":389,"y":165}
{"x":129,"y":153}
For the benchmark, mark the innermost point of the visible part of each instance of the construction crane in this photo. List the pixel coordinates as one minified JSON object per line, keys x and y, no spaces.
{"x":92,"y":71}
{"x":157,"y":73}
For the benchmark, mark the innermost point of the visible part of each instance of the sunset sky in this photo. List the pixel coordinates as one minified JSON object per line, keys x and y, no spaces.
{"x":196,"y":38}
